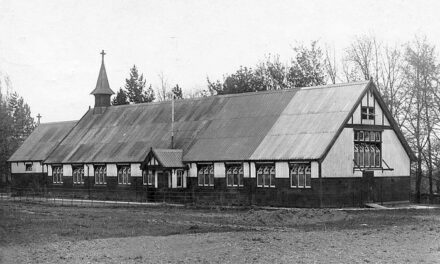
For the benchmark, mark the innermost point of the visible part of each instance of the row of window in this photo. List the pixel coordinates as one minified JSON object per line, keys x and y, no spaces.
{"x":300,"y":175}
{"x":367,"y":136}
{"x":150,"y":179}
{"x":124,"y":173}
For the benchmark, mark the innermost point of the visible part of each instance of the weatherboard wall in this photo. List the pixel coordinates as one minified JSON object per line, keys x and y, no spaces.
{"x":20,"y":167}
{"x":339,"y":161}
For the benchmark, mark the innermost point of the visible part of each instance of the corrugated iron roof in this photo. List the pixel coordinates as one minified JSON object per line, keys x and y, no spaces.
{"x":309,"y":122}
{"x":42,"y":141}
{"x":169,"y":158}
{"x":287,"y":124}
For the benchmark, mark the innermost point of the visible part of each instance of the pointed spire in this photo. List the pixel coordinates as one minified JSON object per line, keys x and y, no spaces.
{"x":102,"y":85}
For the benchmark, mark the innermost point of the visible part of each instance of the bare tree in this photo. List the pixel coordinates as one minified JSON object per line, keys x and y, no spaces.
{"x":363,"y":54}
{"x":330,"y":64}
{"x":421,"y":71}
{"x":163,"y":91}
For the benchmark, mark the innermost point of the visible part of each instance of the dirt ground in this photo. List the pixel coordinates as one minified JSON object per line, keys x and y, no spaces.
{"x":42,"y":233}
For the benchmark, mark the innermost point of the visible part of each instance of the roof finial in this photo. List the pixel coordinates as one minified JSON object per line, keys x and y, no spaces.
{"x":39,"y":117}
{"x":102,"y":53}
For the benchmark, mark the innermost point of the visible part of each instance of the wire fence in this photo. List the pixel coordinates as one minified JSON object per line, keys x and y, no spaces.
{"x":145,"y":196}
{"x":101,"y":196}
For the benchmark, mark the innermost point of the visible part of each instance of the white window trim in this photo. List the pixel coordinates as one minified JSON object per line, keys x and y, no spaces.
{"x":270,"y":178}
{"x":57,"y":173}
{"x":211,"y":168}
{"x":305,"y":186}
{"x":240,"y":179}
{"x":75,"y":170}
{"x":177,"y":177}
{"x":124,"y":171}
{"x":104,"y":172}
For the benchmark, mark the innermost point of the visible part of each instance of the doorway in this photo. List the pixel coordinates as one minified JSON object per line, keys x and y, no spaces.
{"x":163,"y":179}
{"x":368,"y":186}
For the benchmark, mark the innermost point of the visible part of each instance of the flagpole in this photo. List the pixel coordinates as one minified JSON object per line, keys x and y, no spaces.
{"x":172,"y":121}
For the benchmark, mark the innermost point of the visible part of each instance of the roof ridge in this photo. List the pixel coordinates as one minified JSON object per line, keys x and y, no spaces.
{"x":288,"y":90}
{"x":58,"y":122}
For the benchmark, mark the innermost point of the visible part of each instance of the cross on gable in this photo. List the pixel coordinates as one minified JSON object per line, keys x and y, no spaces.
{"x":39,"y":117}
{"x":102,"y":54}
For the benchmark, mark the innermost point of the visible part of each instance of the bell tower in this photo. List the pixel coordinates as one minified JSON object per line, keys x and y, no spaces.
{"x":102,"y":92}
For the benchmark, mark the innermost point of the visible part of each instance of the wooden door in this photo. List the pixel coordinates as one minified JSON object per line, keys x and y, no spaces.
{"x":368,"y":186}
{"x":162,"y":179}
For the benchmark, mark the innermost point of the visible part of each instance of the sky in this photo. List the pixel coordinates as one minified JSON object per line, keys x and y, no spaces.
{"x":50,"y":49}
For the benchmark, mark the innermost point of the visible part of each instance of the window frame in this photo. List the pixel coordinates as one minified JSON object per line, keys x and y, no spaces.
{"x":237,"y":175}
{"x":267,"y":173}
{"x":181,"y":172}
{"x":124,"y":174}
{"x":57,"y":174}
{"x":207,"y":172}
{"x":149,"y":178}
{"x":367,"y":113}
{"x":75,"y":175}
{"x":298,"y":171}
{"x":100,"y":171}
{"x":27,"y":166}
{"x":367,"y":151}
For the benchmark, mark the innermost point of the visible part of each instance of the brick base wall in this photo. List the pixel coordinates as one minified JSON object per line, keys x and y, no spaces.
{"x":336,"y":192}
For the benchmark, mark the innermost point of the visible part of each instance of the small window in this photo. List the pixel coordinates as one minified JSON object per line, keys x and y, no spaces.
{"x":124,"y":174}
{"x":234,"y":175}
{"x":149,"y":178}
{"x":205,"y":175}
{"x":78,"y":174}
{"x":28,"y":166}
{"x":100,"y":174}
{"x":300,"y":175}
{"x":266,"y":175}
{"x":367,"y":113}
{"x":179,"y":180}
{"x":57,"y":174}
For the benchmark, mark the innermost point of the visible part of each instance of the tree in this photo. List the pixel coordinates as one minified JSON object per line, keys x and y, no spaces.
{"x":16,"y":123}
{"x":120,"y":98}
{"x":307,"y":68}
{"x":421,"y":75}
{"x":272,"y":73}
{"x":135,"y":88}
{"x":330,"y":64}
{"x":363,"y":54}
{"x":177,"y":91}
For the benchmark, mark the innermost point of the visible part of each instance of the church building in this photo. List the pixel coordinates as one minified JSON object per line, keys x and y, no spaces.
{"x":325,"y":146}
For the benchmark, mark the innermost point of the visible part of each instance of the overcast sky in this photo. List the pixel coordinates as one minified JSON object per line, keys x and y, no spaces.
{"x":50,"y":49}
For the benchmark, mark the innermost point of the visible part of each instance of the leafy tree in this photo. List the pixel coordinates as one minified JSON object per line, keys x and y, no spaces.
{"x":120,"y":98}
{"x":308,"y":67}
{"x":177,"y":91}
{"x":16,"y":124}
{"x":135,"y":88}
{"x":244,"y":80}
{"x":272,"y":73}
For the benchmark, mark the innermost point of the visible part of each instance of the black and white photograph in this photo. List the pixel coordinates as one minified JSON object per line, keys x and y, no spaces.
{"x":219,"y":131}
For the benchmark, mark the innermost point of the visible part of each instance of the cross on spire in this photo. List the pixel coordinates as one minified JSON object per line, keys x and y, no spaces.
{"x":103,"y":53}
{"x":39,"y":117}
